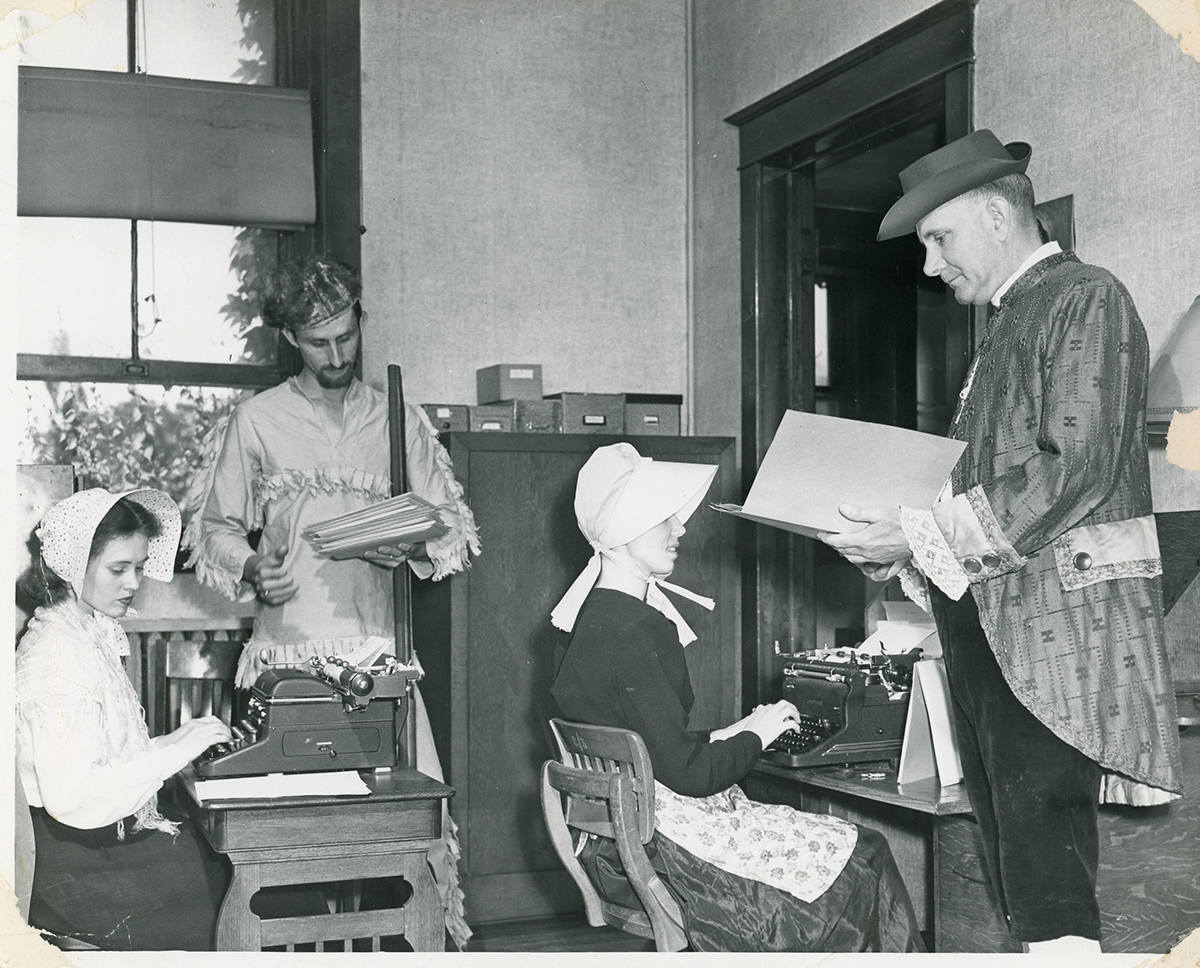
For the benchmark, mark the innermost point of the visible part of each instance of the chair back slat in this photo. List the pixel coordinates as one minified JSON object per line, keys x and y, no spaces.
{"x":199,"y":676}
{"x":604,"y":787}
{"x":607,"y":749}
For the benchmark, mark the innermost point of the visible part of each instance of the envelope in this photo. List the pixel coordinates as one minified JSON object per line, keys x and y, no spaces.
{"x":816,"y":462}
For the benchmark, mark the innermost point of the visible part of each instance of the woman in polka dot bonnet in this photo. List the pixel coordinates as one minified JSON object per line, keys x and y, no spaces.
{"x":110,"y":868}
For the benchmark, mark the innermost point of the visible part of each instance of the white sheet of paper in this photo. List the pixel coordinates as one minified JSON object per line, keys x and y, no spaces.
{"x":890,"y":638}
{"x":910,"y":613}
{"x":336,"y":783}
{"x":816,"y":463}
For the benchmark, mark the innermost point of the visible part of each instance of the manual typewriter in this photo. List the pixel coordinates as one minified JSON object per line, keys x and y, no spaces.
{"x":327,"y":715}
{"x":852,"y":708}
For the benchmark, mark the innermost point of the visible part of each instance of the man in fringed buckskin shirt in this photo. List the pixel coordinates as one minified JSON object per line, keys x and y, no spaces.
{"x":1040,"y":561}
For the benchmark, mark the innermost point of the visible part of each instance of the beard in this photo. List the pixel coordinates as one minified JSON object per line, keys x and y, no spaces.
{"x":335,"y":379}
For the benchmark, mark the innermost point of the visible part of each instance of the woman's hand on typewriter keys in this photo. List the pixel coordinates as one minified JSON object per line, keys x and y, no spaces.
{"x":197,"y":735}
{"x":767,"y":722}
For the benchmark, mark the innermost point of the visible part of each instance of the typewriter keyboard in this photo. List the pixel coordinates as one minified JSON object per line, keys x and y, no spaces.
{"x":788,"y":746}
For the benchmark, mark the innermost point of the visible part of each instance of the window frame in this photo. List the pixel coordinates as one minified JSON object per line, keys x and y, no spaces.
{"x":318,"y":50}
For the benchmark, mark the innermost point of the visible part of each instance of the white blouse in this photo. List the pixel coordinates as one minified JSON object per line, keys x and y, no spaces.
{"x":83,"y":750}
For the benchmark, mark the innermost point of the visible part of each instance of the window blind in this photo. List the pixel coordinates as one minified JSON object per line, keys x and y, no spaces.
{"x":100,"y":144}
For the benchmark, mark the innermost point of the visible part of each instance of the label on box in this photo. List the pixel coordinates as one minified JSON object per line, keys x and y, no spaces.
{"x":526,"y":374}
{"x":595,"y":419}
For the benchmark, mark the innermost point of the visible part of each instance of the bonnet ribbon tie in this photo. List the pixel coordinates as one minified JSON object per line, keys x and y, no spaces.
{"x":567,"y":610}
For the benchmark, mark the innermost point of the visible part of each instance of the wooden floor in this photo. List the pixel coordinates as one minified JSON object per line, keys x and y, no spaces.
{"x":568,"y":932}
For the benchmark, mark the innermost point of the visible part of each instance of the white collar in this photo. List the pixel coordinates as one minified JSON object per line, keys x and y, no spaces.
{"x":1036,"y":256}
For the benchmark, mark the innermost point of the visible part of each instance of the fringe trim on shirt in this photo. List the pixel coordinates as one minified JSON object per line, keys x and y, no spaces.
{"x":198,"y":490}
{"x":453,"y":552}
{"x":452,"y":892}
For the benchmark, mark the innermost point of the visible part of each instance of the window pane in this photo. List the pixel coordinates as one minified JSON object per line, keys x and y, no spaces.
{"x":821,"y":334}
{"x":73,"y":286}
{"x":92,"y":38}
{"x":120,"y":436}
{"x":209,"y":40}
{"x":192,"y":305}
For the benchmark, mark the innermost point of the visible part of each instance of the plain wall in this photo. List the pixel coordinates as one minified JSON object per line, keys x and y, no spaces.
{"x":1111,"y":105}
{"x":524,"y":193}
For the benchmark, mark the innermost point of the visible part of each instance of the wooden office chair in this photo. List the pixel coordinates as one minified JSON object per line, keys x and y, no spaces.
{"x":199,"y":676}
{"x":604,"y":786}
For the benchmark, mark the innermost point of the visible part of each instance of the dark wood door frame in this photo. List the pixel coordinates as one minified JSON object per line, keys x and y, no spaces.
{"x":919,"y":70}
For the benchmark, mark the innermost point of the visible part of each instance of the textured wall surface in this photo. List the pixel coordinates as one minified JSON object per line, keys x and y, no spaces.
{"x":1112,"y":107}
{"x":1107,"y":98}
{"x":525,"y":193}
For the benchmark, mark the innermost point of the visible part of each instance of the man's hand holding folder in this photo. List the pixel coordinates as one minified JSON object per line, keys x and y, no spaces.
{"x":880,"y":550}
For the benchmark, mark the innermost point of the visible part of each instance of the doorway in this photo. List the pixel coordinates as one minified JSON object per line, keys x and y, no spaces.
{"x":834,"y":321}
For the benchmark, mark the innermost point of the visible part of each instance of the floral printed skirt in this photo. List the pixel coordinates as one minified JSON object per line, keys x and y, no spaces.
{"x":866,"y":908}
{"x":801,"y":853}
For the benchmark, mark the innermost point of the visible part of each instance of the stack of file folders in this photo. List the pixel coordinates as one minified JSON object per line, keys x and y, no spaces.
{"x":401,"y":520}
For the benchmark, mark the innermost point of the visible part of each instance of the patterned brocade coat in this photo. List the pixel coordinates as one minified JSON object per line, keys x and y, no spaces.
{"x":1051,"y":520}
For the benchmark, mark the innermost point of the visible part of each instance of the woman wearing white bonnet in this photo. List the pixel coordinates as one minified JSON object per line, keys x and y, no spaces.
{"x":110,"y":869}
{"x":749,"y":876}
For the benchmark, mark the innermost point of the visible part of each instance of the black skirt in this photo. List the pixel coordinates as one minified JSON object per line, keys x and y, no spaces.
{"x":149,"y":892}
{"x":867,"y":908}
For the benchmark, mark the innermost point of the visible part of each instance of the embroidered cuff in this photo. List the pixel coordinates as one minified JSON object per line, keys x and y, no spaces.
{"x":973,"y":535}
{"x":932,"y":554}
{"x":1099,"y":552}
{"x":916,"y":588}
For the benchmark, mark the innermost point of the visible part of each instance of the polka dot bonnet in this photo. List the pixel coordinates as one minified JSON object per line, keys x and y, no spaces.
{"x":67,"y":529}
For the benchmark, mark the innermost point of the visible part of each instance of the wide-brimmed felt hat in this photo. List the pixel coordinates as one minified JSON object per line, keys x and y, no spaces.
{"x":936,"y":178}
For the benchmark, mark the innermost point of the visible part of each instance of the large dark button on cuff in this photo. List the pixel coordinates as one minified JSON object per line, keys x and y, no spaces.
{"x":1083,"y":561}
{"x":972,"y":565}
{"x":991,"y":561}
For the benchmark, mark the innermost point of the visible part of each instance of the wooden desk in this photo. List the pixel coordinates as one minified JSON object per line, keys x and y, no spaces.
{"x":311,"y":840}
{"x":1147,"y":884}
{"x":911,"y":816}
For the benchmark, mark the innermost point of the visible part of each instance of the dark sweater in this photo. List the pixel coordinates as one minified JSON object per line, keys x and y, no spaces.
{"x":625,"y":667}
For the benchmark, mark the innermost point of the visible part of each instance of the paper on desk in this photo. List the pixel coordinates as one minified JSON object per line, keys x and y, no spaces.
{"x":817,"y":462}
{"x":335,"y":783}
{"x":908,"y":613}
{"x":890,"y":638}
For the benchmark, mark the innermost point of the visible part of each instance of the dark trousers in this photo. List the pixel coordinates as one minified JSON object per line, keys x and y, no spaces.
{"x":1035,"y":796}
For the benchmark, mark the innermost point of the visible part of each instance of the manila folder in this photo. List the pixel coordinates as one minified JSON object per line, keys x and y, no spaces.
{"x":817,"y":462}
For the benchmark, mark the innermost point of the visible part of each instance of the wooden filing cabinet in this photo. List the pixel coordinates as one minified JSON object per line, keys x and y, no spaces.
{"x":485,"y":640}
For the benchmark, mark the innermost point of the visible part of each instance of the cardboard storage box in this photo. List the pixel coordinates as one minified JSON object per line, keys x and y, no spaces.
{"x":493,"y":416}
{"x":509,"y":381}
{"x":592,"y":413}
{"x":653,"y":413}
{"x":448,"y":416}
{"x":539,"y":416}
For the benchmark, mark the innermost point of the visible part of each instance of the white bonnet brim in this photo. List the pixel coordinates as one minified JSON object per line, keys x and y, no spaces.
{"x":67,"y":530}
{"x":620,"y":495}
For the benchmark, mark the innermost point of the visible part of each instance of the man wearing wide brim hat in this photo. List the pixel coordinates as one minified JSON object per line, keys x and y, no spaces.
{"x":1055,"y":658}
